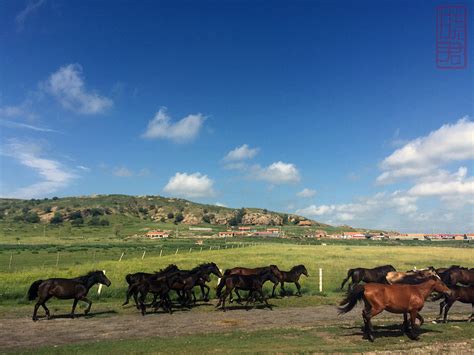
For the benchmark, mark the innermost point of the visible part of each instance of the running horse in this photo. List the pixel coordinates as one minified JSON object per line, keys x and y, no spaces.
{"x":377,"y":274}
{"x":293,"y":276}
{"x":76,"y":289}
{"x":398,"y":298}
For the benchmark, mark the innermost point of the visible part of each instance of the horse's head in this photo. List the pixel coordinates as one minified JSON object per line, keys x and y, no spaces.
{"x":101,"y":278}
{"x":213,"y":268}
{"x":171,"y":267}
{"x":303,"y":270}
{"x":440,"y":286}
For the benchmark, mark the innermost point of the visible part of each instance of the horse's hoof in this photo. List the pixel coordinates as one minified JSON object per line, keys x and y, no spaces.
{"x":35,"y":319}
{"x":371,"y":338}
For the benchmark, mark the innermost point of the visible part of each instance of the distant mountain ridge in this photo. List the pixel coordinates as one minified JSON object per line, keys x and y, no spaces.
{"x":157,"y":208}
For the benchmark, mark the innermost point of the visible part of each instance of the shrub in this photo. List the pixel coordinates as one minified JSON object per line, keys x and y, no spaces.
{"x":32,"y":217}
{"x":178,"y":218}
{"x":206,"y":219}
{"x":104,"y":222}
{"x":94,"y":221}
{"x":75,"y":215}
{"x":57,"y":218}
{"x":170,"y":215}
{"x":77,"y":222}
{"x":96,"y":212}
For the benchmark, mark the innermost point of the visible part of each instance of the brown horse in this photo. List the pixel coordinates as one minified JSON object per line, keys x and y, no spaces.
{"x":458,"y":274}
{"x":359,"y":274}
{"x":247,"y":272}
{"x":76,"y":289}
{"x":410,"y":277}
{"x":293,"y":276}
{"x":399,"y":298}
{"x":464,"y":294}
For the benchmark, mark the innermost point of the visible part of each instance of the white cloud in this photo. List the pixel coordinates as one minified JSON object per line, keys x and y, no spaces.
{"x":306,"y":193}
{"x":27,"y":11}
{"x":122,"y":172}
{"x":190,"y":185}
{"x":82,"y":167}
{"x":12,"y":124}
{"x":422,"y":156}
{"x":446,"y":186}
{"x":181,"y":131}
{"x":68,"y":87}
{"x":277,"y":173}
{"x":54,"y":176}
{"x":220,"y":204}
{"x":241,"y":153}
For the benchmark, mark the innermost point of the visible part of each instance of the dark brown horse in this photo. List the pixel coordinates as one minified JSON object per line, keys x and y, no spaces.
{"x":248,"y":272}
{"x":252,"y":283}
{"x":141,"y":276}
{"x":399,"y":298}
{"x":293,"y":276}
{"x":457,"y":274}
{"x":464,"y":294}
{"x":377,"y":274}
{"x":186,"y":281}
{"x":76,"y":289}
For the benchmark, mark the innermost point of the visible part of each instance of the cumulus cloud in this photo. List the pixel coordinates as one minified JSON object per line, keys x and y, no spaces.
{"x":306,"y":193}
{"x":181,"y":131}
{"x":277,"y":173}
{"x":53,"y":175}
{"x":241,"y":153}
{"x":422,"y":156}
{"x":68,"y":87}
{"x":194,"y":185}
{"x":447,"y":186}
{"x":22,"y":16}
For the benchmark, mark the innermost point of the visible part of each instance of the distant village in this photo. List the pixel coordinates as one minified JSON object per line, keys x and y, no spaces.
{"x":278,"y":232}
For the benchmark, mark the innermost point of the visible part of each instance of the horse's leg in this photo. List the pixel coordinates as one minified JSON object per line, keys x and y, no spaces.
{"x":447,"y":307}
{"x":366,"y":318}
{"x":405,"y":327}
{"x":282,"y":288}
{"x":127,"y":296}
{"x":472,"y":313}
{"x":420,"y":318}
{"x":88,"y":309}
{"x":205,"y":294}
{"x":264,"y":298}
{"x":238,"y":295}
{"x":274,"y":288}
{"x":74,"y":304}
{"x":46,"y":310}
{"x":224,"y":296}
{"x":441,"y":306}
{"x":35,"y":311}
{"x":298,"y":286}
{"x":413,"y":333}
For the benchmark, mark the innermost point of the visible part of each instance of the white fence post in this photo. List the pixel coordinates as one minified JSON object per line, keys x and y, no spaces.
{"x":99,"y":290}
{"x":190,"y":249}
{"x":57,"y":260}
{"x":143,"y":256}
{"x":161,"y":252}
{"x":121,"y":256}
{"x":10,"y":263}
{"x":320,"y":280}
{"x":176,"y":251}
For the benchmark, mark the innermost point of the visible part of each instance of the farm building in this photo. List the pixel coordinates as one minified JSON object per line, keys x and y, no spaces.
{"x":354,"y":235}
{"x":226,"y":234}
{"x":305,"y":223}
{"x":156,"y":234}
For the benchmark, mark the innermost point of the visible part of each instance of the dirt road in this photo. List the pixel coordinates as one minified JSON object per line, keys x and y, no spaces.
{"x":22,"y":333}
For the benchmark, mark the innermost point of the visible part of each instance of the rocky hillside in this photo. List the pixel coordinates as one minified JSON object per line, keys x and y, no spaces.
{"x":157,"y":208}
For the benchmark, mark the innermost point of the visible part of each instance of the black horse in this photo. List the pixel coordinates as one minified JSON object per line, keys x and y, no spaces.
{"x":377,"y":274}
{"x":76,"y":289}
{"x":141,"y":276}
{"x":293,"y":276}
{"x":252,"y":283}
{"x":457,"y":274}
{"x":186,"y":281}
{"x":208,"y":269}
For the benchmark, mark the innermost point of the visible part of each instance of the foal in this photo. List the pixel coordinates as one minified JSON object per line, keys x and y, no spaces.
{"x":292,"y":276}
{"x":464,"y":294}
{"x":398,"y":298}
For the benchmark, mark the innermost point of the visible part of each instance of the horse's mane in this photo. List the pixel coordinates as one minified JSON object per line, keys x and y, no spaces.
{"x":297,"y":267}
{"x":85,"y":277}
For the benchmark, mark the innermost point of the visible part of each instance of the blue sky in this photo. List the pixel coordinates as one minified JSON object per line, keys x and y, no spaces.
{"x":334,"y":111}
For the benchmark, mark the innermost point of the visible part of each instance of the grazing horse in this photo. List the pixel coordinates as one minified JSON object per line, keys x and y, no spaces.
{"x":293,"y":276}
{"x":252,"y":283}
{"x":141,"y":276}
{"x":247,"y":272}
{"x":412,"y":277}
{"x":399,"y":298}
{"x":458,"y":274}
{"x":464,"y":294}
{"x":377,"y":274}
{"x":76,"y":289}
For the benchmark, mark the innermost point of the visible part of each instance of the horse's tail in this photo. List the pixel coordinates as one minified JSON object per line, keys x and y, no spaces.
{"x":221,"y":285}
{"x":33,"y":291}
{"x":128,"y":278}
{"x":349,"y":275}
{"x":353,"y":296}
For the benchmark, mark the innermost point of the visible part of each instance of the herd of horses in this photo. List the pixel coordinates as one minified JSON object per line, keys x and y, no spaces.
{"x":381,"y":288}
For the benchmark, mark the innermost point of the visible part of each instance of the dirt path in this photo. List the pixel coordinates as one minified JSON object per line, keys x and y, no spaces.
{"x":22,"y":333}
